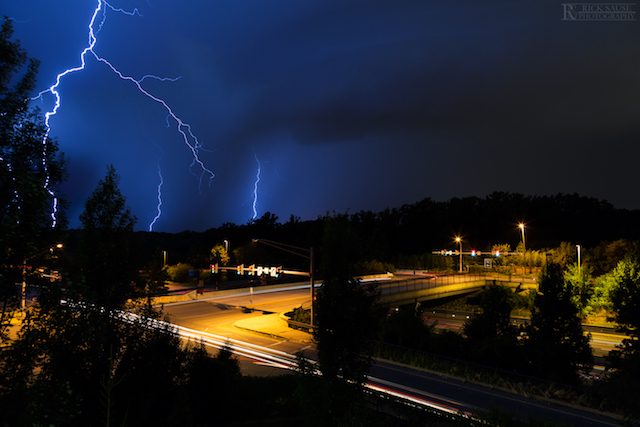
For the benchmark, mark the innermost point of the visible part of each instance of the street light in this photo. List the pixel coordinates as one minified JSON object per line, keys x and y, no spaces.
{"x":579,"y":248}
{"x":23,"y":300}
{"x":524,"y":250}
{"x":459,"y":240}
{"x":293,"y":250}
{"x":521,"y":226}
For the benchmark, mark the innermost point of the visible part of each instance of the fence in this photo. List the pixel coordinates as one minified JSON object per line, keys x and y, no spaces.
{"x":421,"y":283}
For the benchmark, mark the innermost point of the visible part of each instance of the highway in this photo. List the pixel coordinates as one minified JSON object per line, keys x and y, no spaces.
{"x":215,"y":321}
{"x":603,"y":340}
{"x":217,"y":316}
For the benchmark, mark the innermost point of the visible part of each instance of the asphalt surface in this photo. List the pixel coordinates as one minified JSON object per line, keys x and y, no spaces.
{"x":257,"y":318}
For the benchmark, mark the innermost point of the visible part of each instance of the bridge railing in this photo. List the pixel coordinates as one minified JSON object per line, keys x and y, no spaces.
{"x":420,"y":283}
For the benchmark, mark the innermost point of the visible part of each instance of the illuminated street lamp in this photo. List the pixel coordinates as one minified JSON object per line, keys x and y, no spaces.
{"x":23,"y":300}
{"x":296,"y":251}
{"x":524,"y":249}
{"x":459,"y":240}
{"x":521,"y":226}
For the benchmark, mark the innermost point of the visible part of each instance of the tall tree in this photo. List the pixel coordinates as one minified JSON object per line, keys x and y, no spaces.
{"x":557,"y":346}
{"x":626,"y":298}
{"x":346,"y":316}
{"x":491,"y":336}
{"x":31,"y":170}
{"x":108,"y":244}
{"x":579,"y":278}
{"x":624,"y":380}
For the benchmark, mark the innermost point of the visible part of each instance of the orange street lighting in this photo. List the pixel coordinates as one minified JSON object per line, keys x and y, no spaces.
{"x":301,"y":252}
{"x":459,"y":240}
{"x":521,"y":226}
{"x":23,"y":298}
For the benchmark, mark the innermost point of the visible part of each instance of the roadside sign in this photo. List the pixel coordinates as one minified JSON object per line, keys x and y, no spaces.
{"x":487,"y":263}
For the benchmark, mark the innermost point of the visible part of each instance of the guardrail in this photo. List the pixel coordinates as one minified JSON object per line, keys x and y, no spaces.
{"x":421,"y":283}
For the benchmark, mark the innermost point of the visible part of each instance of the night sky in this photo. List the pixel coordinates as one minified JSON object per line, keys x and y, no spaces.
{"x":346,"y":105}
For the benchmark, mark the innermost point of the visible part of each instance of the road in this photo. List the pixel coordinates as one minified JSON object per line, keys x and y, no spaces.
{"x":217,"y":316}
{"x":468,"y":397}
{"x":213,"y":320}
{"x":603,"y":340}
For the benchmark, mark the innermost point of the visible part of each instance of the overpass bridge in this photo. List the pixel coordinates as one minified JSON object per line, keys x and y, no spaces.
{"x":393,"y":291}
{"x":418,"y":289}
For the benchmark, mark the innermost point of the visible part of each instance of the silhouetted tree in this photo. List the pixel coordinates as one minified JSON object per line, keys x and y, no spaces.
{"x":557,"y":346}
{"x":407,"y":329}
{"x":157,"y":275}
{"x":108,"y":244}
{"x":347,"y":321}
{"x":31,"y":170}
{"x":491,"y":337}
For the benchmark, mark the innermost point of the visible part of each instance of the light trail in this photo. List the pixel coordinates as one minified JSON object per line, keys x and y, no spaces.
{"x":263,"y":354}
{"x":419,"y":397}
{"x":284,"y":360}
{"x":287,"y":361}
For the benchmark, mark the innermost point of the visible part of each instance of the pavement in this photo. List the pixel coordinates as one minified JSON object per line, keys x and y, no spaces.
{"x":274,"y":325}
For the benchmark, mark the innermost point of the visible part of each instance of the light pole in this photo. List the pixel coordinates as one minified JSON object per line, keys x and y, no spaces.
{"x":459,"y":240}
{"x":296,"y":251}
{"x":521,"y":226}
{"x":226,"y":245}
{"x":579,"y":248}
{"x":524,"y":249}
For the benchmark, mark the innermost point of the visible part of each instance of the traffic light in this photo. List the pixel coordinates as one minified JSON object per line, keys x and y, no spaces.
{"x":497,"y":253}
{"x":240,"y":269}
{"x":473,"y":252}
{"x":214,"y":268}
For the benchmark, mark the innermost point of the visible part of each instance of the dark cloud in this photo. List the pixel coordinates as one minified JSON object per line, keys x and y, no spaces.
{"x":347,"y":105}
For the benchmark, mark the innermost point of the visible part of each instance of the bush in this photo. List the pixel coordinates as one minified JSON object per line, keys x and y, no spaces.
{"x":179,"y":272}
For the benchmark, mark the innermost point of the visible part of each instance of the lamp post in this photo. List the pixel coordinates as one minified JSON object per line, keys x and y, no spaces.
{"x":23,"y":298}
{"x":296,"y":251}
{"x":524,"y":249}
{"x":579,"y":272}
{"x":459,"y":240}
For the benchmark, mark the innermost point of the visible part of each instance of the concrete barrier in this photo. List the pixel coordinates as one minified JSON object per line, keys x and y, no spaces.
{"x":208,"y":293}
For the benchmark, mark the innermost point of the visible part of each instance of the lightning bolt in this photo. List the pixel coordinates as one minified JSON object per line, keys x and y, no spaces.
{"x":159,"y":206}
{"x":183,"y":128}
{"x":255,"y":189}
